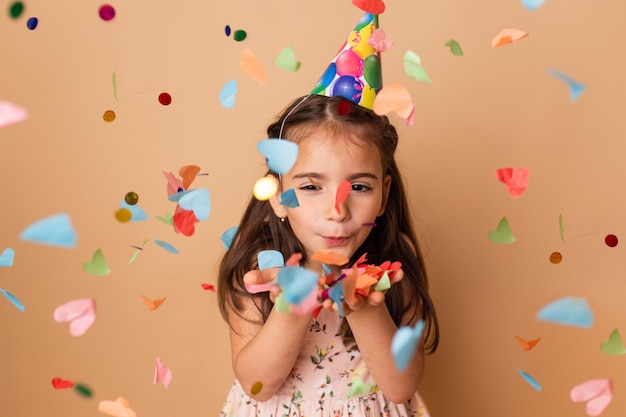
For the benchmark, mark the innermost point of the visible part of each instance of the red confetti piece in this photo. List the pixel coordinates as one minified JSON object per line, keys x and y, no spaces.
{"x":185,"y":221}
{"x":611,"y":241}
{"x":107,"y":12}
{"x":344,"y":107}
{"x":342,"y":193}
{"x":370,"y":6}
{"x":165,"y":99}
{"x":208,"y":287}
{"x":59,"y":383}
{"x":516,"y":179}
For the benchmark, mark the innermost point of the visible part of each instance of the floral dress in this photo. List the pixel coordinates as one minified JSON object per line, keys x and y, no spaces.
{"x":328,"y":380}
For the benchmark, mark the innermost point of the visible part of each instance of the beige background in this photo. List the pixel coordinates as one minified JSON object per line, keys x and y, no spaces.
{"x":491,"y":108}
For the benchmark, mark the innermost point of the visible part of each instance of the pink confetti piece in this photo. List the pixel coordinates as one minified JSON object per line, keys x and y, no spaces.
{"x":516,"y":179}
{"x":80,"y":313}
{"x":162,"y":373}
{"x":598,"y":394}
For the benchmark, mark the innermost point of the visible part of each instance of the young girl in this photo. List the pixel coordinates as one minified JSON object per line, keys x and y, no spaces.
{"x":287,"y":364}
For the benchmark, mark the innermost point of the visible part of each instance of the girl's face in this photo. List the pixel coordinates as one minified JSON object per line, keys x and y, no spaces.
{"x":324,"y":161}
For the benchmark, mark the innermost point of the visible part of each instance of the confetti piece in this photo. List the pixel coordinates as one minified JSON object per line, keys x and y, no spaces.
{"x":527,"y":345}
{"x":251,"y":66}
{"x":611,"y":241}
{"x":614,"y":346}
{"x":330,"y":257}
{"x":165,"y":99}
{"x":413,"y":67}
{"x":265,"y":188}
{"x":270,"y":259}
{"x":80,"y":313}
{"x":227,"y":236}
{"x":108,"y":116}
{"x":570,"y":311}
{"x":55,"y":230}
{"x":394,"y":97}
{"x":131,"y":198}
{"x":167,"y":246}
{"x":378,"y":40}
{"x":286,"y":60}
{"x":58,"y":383}
{"x":404,"y":344}
{"x":533,"y":383}
{"x":138,"y":249}
{"x":508,"y":36}
{"x":256,"y":388}
{"x":359,"y":388}
{"x":228,"y":94}
{"x":336,"y":293}
{"x":370,"y":6}
{"x":83,"y":390}
{"x":289,"y":199}
{"x":556,"y":257}
{"x":115,"y":86}
{"x":240,"y":35}
{"x":106,"y":12}
{"x":227,"y":30}
{"x":208,"y":287}
{"x":280,"y":154}
{"x":502,"y":234}
{"x":6,"y":257}
{"x":117,"y":408}
{"x":532,"y":4}
{"x":198,"y":201}
{"x":162,"y":374}
{"x":13,"y":299}
{"x":297,"y":283}
{"x":342,"y":193}
{"x":598,"y":394}
{"x":455,"y":48}
{"x":167,"y":219}
{"x":575,"y":88}
{"x":184,"y":222}
{"x":32,"y":23}
{"x":516,"y":179}
{"x":123,"y":215}
{"x":174,"y":184}
{"x":152,"y":304}
{"x":384,"y":283}
{"x":561,"y":228}
{"x":97,"y":266}
{"x":16,"y":9}
{"x":137,"y":213}
{"x":11,"y":114}
{"x":188,"y":173}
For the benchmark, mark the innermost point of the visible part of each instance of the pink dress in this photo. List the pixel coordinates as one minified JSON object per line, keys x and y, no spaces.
{"x":328,"y":380}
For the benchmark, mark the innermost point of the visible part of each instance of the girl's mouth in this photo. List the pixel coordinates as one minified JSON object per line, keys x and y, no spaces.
{"x":335,"y":240}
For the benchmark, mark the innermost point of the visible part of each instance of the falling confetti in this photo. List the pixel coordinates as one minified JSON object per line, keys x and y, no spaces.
{"x":123,"y":215}
{"x":108,"y":116}
{"x":575,"y":88}
{"x":502,"y":234}
{"x":153,"y":304}
{"x":11,"y":114}
{"x":117,"y":408}
{"x":280,"y":154}
{"x":455,"y":48}
{"x":227,"y":30}
{"x":6,"y":257}
{"x":532,"y":4}
{"x":162,"y":374}
{"x":83,"y":390}
{"x":97,"y":265}
{"x":286,"y":60}
{"x":32,"y":23}
{"x":611,"y":241}
{"x":56,"y":230}
{"x":404,"y":344}
{"x":342,"y":193}
{"x":16,"y":9}
{"x":106,"y":12}
{"x":508,"y":36}
{"x":208,"y":287}
{"x":569,"y":311}
{"x":167,"y":246}
{"x":59,"y":383}
{"x":240,"y":35}
{"x":527,"y":345}
{"x":289,"y":199}
{"x":13,"y":299}
{"x":228,"y":94}
{"x":556,"y":257}
{"x":516,"y":179}
{"x":165,"y":99}
{"x":533,"y":383}
{"x":251,"y":66}
{"x":413,"y":67}
{"x":614,"y":346}
{"x":80,"y":313}
{"x":370,"y":6}
{"x":137,"y":250}
{"x":597,"y":393}
{"x":131,"y":198}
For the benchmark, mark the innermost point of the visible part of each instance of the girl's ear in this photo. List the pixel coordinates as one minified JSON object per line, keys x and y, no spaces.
{"x":279,"y":209}
{"x":386,"y":188}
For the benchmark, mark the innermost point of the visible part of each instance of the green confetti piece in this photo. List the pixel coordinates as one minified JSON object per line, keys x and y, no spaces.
{"x":413,"y":67}
{"x":561,"y":228}
{"x":115,"y":86}
{"x":455,"y":48}
{"x":359,"y":388}
{"x":383,"y":283}
{"x":83,"y":390}
{"x":16,"y":9}
{"x":282,"y":306}
{"x":286,"y":60}
{"x":97,"y":265}
{"x":614,"y":346}
{"x":240,"y":35}
{"x":168,"y":219}
{"x":502,"y":234}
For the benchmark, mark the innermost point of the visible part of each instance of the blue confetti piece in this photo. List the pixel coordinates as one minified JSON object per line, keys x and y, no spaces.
{"x":570,"y":311}
{"x":404,"y":344}
{"x":13,"y":299}
{"x":137,"y":214}
{"x":228,"y":236}
{"x":227,"y":30}
{"x":336,"y":294}
{"x":532,"y":4}
{"x":533,"y":383}
{"x":280,"y":154}
{"x":289,"y":199}
{"x":228,"y":94}
{"x":167,"y":246}
{"x":199,"y":201}
{"x":575,"y":88}
{"x":32,"y":23}
{"x":6,"y":258}
{"x":270,"y":259}
{"x":55,"y":230}
{"x":297,"y":283}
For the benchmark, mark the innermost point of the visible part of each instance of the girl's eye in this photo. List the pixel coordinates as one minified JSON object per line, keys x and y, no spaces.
{"x":360,"y":188}
{"x":309,"y":187}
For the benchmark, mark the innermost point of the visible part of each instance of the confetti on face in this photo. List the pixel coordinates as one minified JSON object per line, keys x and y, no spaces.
{"x":131,"y":198}
{"x":16,"y":9}
{"x":256,"y":388}
{"x":556,"y":257}
{"x":106,"y":12}
{"x":165,"y":99}
{"x":240,"y":35}
{"x":108,"y":116}
{"x":123,"y":215}
{"x":611,"y":241}
{"x":32,"y":23}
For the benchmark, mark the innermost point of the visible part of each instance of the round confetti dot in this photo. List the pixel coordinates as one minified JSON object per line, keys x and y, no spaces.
{"x":131,"y":198}
{"x":227,"y":30}
{"x":265,"y":188}
{"x":256,"y":388}
{"x":240,"y":35}
{"x":16,"y":9}
{"x":106,"y":12}
{"x":108,"y":116}
{"x":165,"y":99}
{"x":611,"y":241}
{"x":556,"y":257}
{"x":123,"y":215}
{"x":32,"y":23}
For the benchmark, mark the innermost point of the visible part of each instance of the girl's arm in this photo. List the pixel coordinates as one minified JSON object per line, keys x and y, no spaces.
{"x":373,"y":330}
{"x":265,"y":352}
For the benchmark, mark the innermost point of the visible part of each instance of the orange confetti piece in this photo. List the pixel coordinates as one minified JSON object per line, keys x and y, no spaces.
{"x":508,"y":36}
{"x":329,"y":257}
{"x":153,"y":305}
{"x":342,"y":193}
{"x":349,"y":287}
{"x":208,"y":287}
{"x":364,"y":284}
{"x":527,"y":345}
{"x":188,"y":174}
{"x":394,"y":97}
{"x":250,"y":65}
{"x":117,"y":408}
